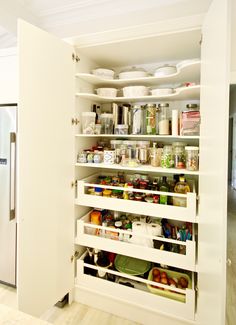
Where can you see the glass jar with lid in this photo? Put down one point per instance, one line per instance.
(150, 122)
(106, 123)
(155, 155)
(163, 119)
(192, 158)
(167, 158)
(179, 154)
(137, 119)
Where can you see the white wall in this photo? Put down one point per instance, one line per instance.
(8, 76)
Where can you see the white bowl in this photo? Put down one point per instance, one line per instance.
(132, 74)
(107, 92)
(135, 91)
(161, 91)
(104, 73)
(165, 71)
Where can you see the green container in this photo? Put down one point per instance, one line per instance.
(166, 293)
(131, 265)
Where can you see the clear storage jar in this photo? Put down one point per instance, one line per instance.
(106, 123)
(163, 119)
(179, 154)
(137, 119)
(167, 158)
(88, 122)
(192, 158)
(121, 129)
(155, 156)
(150, 119)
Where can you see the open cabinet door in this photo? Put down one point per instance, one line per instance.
(45, 202)
(212, 229)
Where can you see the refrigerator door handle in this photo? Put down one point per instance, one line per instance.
(12, 213)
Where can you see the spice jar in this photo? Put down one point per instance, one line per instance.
(106, 193)
(179, 154)
(155, 156)
(192, 158)
(167, 160)
(163, 120)
(151, 118)
(98, 191)
(137, 119)
(95, 219)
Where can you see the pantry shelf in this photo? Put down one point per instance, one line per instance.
(183, 93)
(86, 237)
(186, 73)
(140, 297)
(142, 168)
(140, 136)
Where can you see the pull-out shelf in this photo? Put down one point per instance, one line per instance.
(187, 213)
(86, 236)
(139, 296)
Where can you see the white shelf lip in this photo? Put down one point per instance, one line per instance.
(142, 168)
(85, 236)
(188, 72)
(141, 136)
(183, 93)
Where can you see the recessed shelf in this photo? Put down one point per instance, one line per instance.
(186, 73)
(183, 93)
(140, 136)
(141, 168)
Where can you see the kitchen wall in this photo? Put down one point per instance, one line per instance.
(8, 76)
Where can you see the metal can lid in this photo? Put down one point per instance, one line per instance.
(192, 106)
(163, 105)
(118, 224)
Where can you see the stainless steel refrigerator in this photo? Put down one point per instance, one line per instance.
(8, 124)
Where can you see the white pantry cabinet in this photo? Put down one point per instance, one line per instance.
(53, 90)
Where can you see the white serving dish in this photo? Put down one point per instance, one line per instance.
(133, 74)
(104, 73)
(107, 92)
(135, 91)
(165, 70)
(162, 91)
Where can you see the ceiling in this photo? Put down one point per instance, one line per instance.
(68, 18)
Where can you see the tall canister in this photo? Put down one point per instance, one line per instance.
(137, 119)
(150, 121)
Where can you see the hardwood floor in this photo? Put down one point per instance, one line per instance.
(76, 313)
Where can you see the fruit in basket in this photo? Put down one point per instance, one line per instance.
(156, 272)
(164, 280)
(163, 275)
(183, 282)
(157, 278)
(172, 282)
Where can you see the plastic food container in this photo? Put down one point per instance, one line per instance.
(88, 122)
(192, 158)
(131, 265)
(106, 123)
(104, 73)
(190, 120)
(116, 144)
(133, 73)
(107, 92)
(166, 293)
(121, 129)
(162, 91)
(165, 70)
(135, 91)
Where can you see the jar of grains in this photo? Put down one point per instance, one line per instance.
(192, 158)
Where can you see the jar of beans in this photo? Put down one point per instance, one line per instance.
(192, 158)
(179, 154)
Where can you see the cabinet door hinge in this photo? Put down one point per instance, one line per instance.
(74, 121)
(13, 137)
(75, 57)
